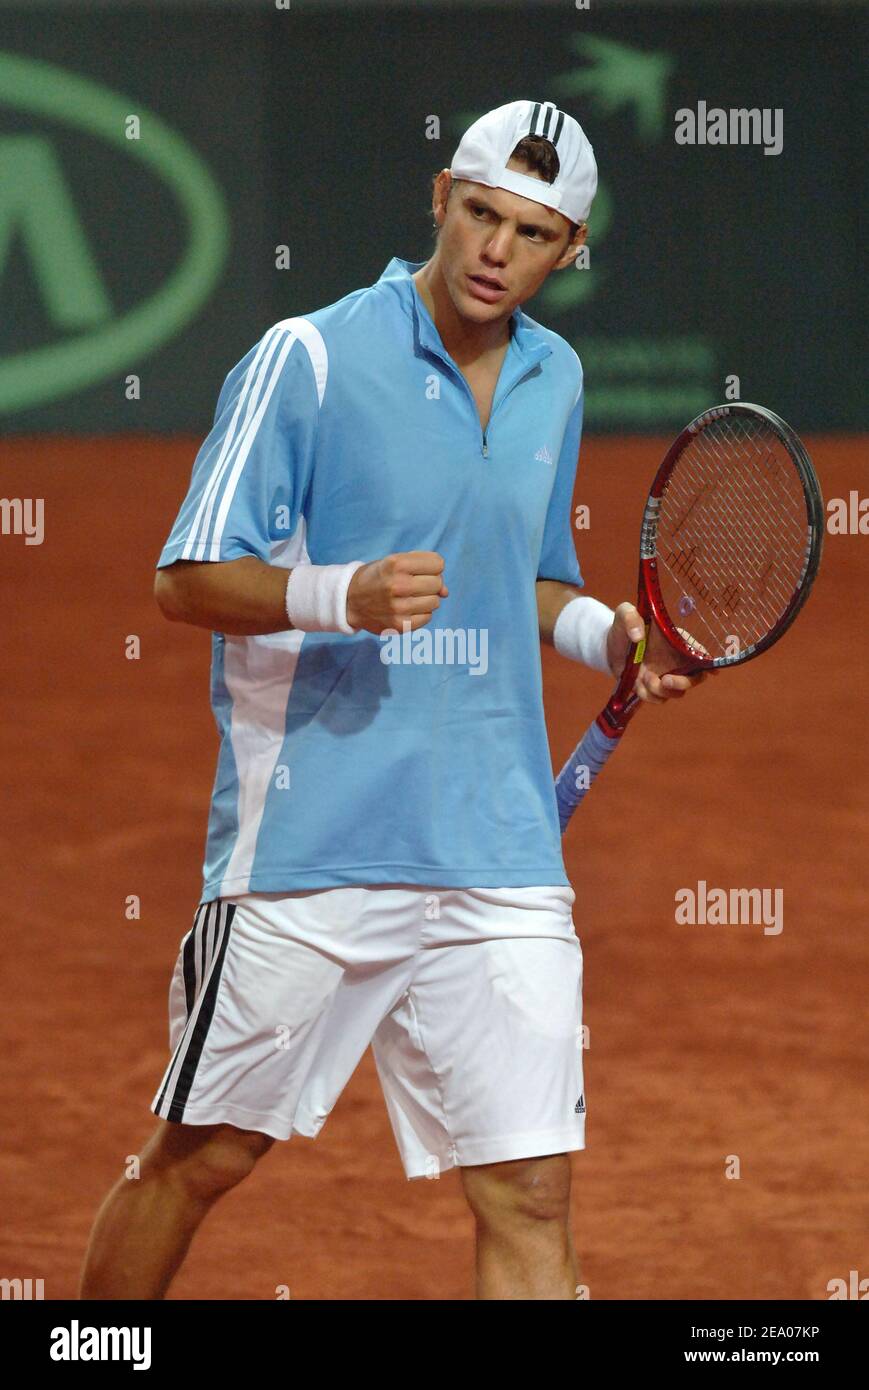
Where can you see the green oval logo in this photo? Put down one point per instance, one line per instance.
(46, 373)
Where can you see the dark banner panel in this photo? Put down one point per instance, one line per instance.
(172, 183)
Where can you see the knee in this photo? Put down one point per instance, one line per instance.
(529, 1190)
(207, 1160)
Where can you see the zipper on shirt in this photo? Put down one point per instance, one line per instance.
(484, 433)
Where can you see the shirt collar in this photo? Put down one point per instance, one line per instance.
(525, 338)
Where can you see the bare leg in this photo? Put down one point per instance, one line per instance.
(524, 1243)
(144, 1227)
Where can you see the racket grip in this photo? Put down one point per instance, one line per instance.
(580, 770)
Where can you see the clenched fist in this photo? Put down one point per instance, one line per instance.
(402, 588)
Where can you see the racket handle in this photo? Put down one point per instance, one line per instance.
(580, 770)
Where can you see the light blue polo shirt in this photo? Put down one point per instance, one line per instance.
(350, 434)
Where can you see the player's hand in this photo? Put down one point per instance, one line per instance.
(658, 678)
(402, 588)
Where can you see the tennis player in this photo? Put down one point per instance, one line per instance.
(378, 534)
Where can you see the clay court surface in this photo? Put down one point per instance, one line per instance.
(705, 1041)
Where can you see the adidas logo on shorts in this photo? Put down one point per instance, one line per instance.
(579, 1108)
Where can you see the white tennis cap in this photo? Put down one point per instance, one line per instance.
(487, 145)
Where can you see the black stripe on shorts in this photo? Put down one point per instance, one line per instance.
(189, 962)
(223, 915)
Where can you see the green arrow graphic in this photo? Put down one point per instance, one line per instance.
(620, 77)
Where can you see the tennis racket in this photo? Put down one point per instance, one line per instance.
(729, 547)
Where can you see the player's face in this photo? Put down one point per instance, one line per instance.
(496, 248)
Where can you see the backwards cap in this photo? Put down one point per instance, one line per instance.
(488, 144)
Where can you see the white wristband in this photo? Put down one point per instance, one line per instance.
(316, 597)
(581, 631)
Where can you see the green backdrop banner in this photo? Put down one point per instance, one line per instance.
(173, 183)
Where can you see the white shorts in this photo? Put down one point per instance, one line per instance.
(470, 998)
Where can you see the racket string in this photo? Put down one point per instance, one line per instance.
(709, 522)
(748, 556)
(730, 578)
(783, 493)
(732, 527)
(725, 549)
(797, 522)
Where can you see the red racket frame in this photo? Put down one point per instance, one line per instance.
(623, 703)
